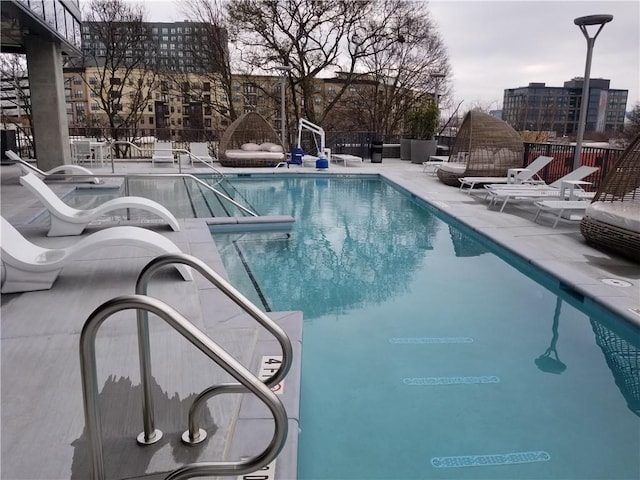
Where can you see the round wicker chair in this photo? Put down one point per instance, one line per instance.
(250, 128)
(612, 220)
(484, 147)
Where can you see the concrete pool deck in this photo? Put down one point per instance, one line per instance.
(42, 416)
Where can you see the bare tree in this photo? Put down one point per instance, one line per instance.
(15, 95)
(312, 37)
(632, 127)
(406, 61)
(387, 47)
(209, 53)
(123, 69)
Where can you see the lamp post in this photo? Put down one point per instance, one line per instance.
(583, 23)
(437, 77)
(284, 69)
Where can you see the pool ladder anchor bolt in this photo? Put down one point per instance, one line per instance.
(194, 440)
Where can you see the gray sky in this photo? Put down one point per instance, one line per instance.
(494, 45)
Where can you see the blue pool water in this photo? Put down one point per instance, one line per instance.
(425, 353)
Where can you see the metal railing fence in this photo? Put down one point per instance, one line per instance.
(353, 143)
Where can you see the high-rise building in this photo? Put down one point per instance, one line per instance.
(172, 47)
(542, 108)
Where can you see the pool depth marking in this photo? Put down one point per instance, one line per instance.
(428, 381)
(490, 460)
(429, 340)
(269, 364)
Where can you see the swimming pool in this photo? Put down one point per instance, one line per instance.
(428, 355)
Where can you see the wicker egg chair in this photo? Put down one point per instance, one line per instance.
(484, 147)
(612, 220)
(250, 129)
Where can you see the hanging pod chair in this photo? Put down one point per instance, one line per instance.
(612, 220)
(485, 146)
(250, 142)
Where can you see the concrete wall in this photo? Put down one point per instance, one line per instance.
(49, 117)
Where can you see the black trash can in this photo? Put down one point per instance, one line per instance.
(376, 151)
(7, 142)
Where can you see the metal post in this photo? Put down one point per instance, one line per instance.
(283, 112)
(437, 77)
(283, 107)
(583, 22)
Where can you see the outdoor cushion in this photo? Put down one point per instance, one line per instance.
(457, 168)
(250, 147)
(625, 215)
(242, 154)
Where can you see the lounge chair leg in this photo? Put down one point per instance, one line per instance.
(60, 228)
(558, 218)
(537, 214)
(23, 281)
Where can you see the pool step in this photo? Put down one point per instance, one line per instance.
(246, 224)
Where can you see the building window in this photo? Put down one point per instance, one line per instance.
(115, 81)
(150, 120)
(150, 108)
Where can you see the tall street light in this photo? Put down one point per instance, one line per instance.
(583, 23)
(283, 85)
(437, 77)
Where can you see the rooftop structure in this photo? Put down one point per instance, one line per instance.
(541, 107)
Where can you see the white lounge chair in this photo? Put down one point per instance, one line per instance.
(343, 157)
(28, 267)
(162, 153)
(436, 161)
(66, 220)
(26, 167)
(559, 207)
(555, 190)
(81, 152)
(521, 175)
(200, 150)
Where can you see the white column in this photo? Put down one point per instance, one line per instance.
(49, 112)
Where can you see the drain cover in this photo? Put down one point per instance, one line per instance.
(616, 282)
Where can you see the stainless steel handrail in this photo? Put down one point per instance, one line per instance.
(208, 347)
(160, 175)
(195, 434)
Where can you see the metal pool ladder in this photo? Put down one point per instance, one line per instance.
(247, 382)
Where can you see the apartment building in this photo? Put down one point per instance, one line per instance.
(539, 107)
(171, 47)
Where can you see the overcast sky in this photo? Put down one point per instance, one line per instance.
(494, 45)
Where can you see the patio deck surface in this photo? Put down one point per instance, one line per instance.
(43, 435)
